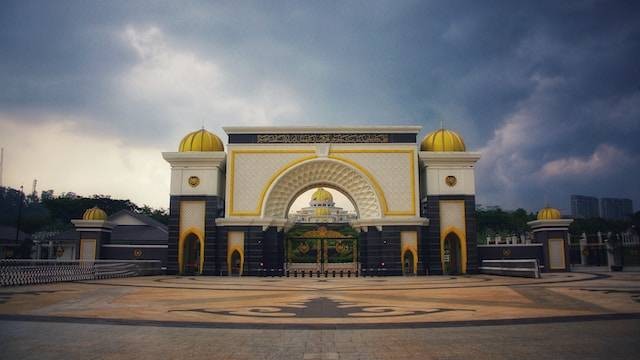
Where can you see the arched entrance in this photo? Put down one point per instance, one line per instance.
(236, 263)
(361, 189)
(452, 259)
(191, 255)
(408, 263)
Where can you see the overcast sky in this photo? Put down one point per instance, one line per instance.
(548, 91)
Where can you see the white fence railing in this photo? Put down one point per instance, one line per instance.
(27, 272)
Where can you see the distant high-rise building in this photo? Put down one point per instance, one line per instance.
(616, 209)
(584, 207)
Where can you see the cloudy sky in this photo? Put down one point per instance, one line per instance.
(548, 91)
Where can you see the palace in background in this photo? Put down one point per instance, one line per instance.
(322, 209)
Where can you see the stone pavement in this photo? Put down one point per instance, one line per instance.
(571, 315)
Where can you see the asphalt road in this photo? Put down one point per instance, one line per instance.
(608, 339)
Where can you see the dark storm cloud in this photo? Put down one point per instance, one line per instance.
(547, 90)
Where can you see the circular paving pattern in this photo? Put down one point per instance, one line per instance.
(327, 302)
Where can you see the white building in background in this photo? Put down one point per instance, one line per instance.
(322, 209)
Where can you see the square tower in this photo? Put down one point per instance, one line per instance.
(447, 194)
(196, 200)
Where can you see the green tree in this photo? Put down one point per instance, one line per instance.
(494, 222)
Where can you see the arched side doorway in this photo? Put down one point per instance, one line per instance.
(235, 253)
(191, 255)
(409, 263)
(452, 259)
(235, 264)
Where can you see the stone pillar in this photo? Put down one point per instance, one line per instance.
(93, 234)
(449, 178)
(196, 201)
(614, 252)
(583, 250)
(553, 235)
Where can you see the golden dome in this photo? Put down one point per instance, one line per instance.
(322, 211)
(322, 195)
(95, 213)
(201, 140)
(549, 213)
(443, 140)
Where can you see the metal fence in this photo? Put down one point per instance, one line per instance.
(588, 254)
(27, 272)
(616, 250)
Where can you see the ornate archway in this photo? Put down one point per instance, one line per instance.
(352, 181)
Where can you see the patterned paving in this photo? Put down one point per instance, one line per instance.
(331, 303)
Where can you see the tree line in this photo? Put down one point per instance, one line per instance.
(498, 222)
(46, 212)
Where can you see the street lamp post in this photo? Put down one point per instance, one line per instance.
(19, 215)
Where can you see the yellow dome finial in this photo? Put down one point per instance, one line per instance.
(549, 213)
(443, 140)
(201, 140)
(95, 213)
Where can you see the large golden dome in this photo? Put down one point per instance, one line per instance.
(201, 140)
(549, 213)
(95, 213)
(443, 140)
(322, 195)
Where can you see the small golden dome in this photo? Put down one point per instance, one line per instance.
(201, 140)
(549, 213)
(443, 140)
(322, 195)
(322, 211)
(95, 213)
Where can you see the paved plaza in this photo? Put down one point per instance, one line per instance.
(564, 316)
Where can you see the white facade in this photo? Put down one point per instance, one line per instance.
(196, 173)
(437, 167)
(263, 179)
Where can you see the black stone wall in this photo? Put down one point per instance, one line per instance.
(273, 252)
(379, 251)
(431, 209)
(214, 208)
(254, 239)
(510, 252)
(126, 253)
